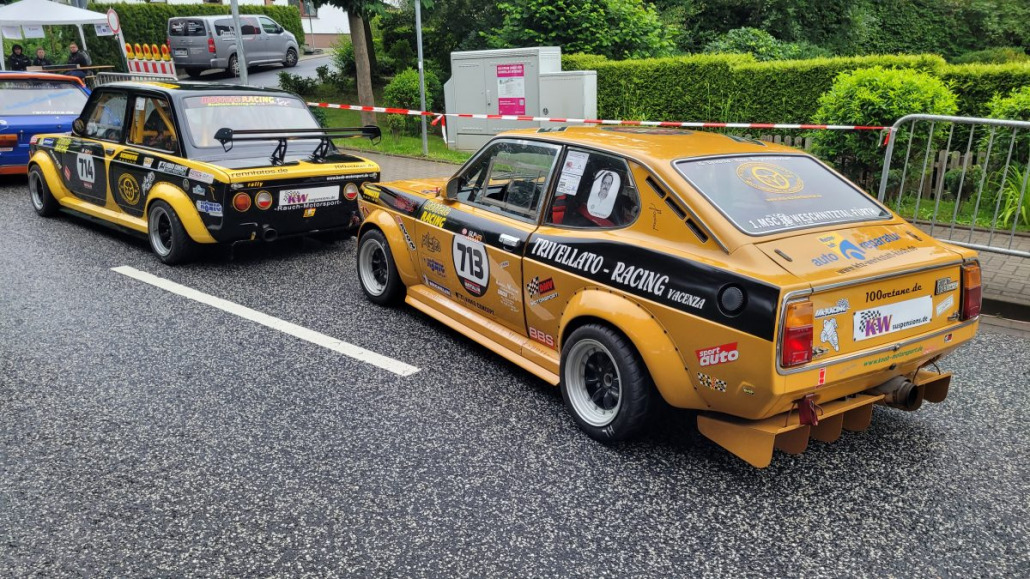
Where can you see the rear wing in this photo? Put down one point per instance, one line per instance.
(227, 137)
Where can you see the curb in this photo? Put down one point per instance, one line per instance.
(1007, 310)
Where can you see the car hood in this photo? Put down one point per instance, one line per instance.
(861, 251)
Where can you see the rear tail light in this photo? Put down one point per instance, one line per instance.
(8, 140)
(350, 191)
(796, 339)
(241, 202)
(263, 199)
(971, 290)
(210, 45)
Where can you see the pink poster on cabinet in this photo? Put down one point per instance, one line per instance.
(511, 89)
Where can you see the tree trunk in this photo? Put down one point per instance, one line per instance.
(373, 62)
(364, 72)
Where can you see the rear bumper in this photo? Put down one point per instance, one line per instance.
(13, 169)
(200, 61)
(754, 440)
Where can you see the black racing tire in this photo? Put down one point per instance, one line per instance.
(168, 237)
(43, 200)
(194, 72)
(291, 58)
(234, 66)
(376, 270)
(605, 384)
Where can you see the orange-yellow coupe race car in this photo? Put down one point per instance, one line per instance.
(742, 279)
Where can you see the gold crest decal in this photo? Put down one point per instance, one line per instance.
(770, 178)
(128, 188)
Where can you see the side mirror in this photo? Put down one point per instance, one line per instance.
(452, 188)
(79, 127)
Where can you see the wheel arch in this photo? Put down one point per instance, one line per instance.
(384, 223)
(661, 357)
(183, 206)
(50, 174)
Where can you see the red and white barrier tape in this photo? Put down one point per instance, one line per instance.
(690, 125)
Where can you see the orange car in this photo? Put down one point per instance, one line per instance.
(744, 280)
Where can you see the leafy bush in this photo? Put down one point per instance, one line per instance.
(874, 96)
(977, 84)
(614, 28)
(763, 46)
(343, 58)
(297, 84)
(998, 55)
(1014, 107)
(403, 93)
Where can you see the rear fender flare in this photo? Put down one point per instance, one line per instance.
(663, 360)
(385, 223)
(184, 208)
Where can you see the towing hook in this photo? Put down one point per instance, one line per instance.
(900, 392)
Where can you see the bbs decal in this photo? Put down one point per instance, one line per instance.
(472, 265)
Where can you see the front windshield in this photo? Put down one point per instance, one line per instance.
(24, 97)
(763, 194)
(206, 114)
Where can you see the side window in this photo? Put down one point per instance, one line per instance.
(152, 125)
(510, 178)
(224, 28)
(108, 116)
(249, 27)
(594, 190)
(269, 26)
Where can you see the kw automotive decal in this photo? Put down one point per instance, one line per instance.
(675, 282)
(890, 318)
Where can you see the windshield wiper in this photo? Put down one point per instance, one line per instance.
(227, 137)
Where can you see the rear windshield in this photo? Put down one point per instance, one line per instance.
(186, 27)
(765, 194)
(37, 97)
(206, 114)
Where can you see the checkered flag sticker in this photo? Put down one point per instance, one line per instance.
(533, 286)
(864, 317)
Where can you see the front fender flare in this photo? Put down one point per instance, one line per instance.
(184, 208)
(385, 222)
(661, 356)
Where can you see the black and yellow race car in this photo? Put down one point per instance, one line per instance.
(191, 163)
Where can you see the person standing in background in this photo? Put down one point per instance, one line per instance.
(78, 58)
(41, 59)
(17, 61)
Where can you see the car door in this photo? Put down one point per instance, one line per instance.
(255, 39)
(83, 158)
(471, 248)
(274, 38)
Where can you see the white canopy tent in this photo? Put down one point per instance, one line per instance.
(47, 13)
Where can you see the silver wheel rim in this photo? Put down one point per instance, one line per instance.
(234, 66)
(291, 57)
(373, 267)
(35, 192)
(593, 383)
(160, 226)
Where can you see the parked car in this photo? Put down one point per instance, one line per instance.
(32, 103)
(195, 163)
(200, 43)
(744, 280)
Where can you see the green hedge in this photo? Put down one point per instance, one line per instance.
(736, 88)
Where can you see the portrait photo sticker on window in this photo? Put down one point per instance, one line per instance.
(594, 190)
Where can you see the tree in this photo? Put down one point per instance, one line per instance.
(613, 28)
(358, 12)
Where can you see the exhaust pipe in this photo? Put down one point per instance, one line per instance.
(899, 392)
(269, 233)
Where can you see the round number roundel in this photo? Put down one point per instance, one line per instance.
(471, 264)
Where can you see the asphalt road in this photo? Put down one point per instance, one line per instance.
(142, 433)
(268, 75)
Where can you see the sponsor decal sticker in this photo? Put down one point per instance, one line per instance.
(891, 318)
(49, 141)
(173, 168)
(210, 207)
(148, 161)
(840, 307)
(711, 383)
(822, 377)
(317, 196)
(473, 235)
(128, 156)
(948, 338)
(431, 243)
(436, 267)
(67, 173)
(370, 195)
(718, 355)
(944, 285)
(197, 189)
(201, 176)
(829, 334)
(945, 305)
(62, 145)
(129, 189)
(404, 231)
(309, 212)
(893, 357)
(877, 295)
(434, 213)
(445, 291)
(770, 178)
(148, 182)
(537, 287)
(543, 337)
(474, 304)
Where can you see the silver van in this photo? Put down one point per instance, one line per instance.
(199, 43)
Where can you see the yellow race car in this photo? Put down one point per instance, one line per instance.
(745, 280)
(194, 163)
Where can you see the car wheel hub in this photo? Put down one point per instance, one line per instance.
(593, 383)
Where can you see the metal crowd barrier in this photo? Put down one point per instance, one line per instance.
(963, 180)
(102, 78)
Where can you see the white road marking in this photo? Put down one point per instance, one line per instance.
(329, 342)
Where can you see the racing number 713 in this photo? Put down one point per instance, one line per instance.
(471, 261)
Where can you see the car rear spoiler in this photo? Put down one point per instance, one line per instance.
(227, 137)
